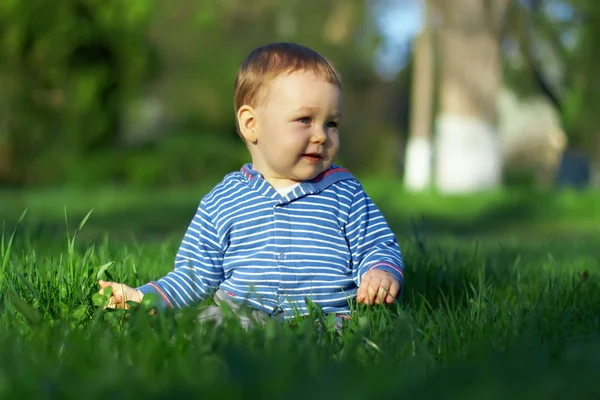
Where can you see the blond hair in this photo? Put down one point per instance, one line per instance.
(265, 63)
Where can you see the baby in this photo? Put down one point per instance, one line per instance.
(291, 224)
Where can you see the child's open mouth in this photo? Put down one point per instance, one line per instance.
(312, 157)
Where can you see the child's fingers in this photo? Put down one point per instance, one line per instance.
(381, 293)
(388, 290)
(111, 302)
(393, 292)
(116, 301)
(384, 290)
(361, 294)
(395, 288)
(116, 297)
(377, 288)
(104, 284)
(372, 290)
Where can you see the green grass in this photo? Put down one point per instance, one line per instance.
(502, 299)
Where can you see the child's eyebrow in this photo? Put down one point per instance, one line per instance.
(336, 114)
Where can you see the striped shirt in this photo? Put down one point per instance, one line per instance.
(273, 251)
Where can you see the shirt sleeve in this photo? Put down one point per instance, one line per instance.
(198, 267)
(372, 242)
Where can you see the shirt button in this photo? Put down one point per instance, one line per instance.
(282, 299)
(281, 256)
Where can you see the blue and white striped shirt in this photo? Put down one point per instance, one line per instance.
(272, 251)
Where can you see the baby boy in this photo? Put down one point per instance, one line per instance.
(291, 224)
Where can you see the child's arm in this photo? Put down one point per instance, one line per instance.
(198, 266)
(374, 248)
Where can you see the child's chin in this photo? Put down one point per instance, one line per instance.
(313, 174)
(306, 174)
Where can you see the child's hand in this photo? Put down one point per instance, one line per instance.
(377, 285)
(120, 294)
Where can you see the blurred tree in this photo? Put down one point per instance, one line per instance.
(548, 48)
(566, 73)
(418, 164)
(468, 150)
(67, 69)
(202, 55)
(141, 91)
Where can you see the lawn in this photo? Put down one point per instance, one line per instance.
(502, 299)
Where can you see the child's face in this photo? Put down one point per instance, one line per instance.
(296, 128)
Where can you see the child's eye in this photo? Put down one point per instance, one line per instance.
(304, 120)
(332, 124)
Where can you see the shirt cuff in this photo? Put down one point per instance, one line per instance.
(162, 302)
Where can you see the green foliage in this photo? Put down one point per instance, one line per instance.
(68, 68)
(490, 312)
(77, 75)
(572, 43)
(179, 159)
(523, 322)
(582, 99)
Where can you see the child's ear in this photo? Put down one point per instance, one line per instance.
(246, 116)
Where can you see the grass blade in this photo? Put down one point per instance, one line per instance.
(103, 269)
(6, 251)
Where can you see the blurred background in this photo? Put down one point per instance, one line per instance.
(140, 92)
(458, 96)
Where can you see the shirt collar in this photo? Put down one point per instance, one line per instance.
(327, 178)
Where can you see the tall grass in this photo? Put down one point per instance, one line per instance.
(477, 319)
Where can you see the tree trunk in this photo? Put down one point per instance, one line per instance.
(418, 161)
(468, 147)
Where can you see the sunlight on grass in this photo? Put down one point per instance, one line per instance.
(476, 313)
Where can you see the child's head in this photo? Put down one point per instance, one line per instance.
(287, 100)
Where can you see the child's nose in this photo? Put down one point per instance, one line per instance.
(319, 135)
